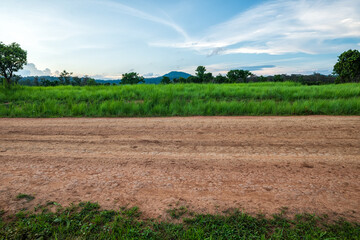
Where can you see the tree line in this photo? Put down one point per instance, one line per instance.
(64, 78)
(245, 76)
(13, 58)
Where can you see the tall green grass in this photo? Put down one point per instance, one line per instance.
(269, 98)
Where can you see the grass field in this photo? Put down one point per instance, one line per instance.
(86, 221)
(256, 99)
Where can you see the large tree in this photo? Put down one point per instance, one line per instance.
(200, 72)
(238, 75)
(132, 78)
(65, 77)
(348, 66)
(12, 59)
(203, 77)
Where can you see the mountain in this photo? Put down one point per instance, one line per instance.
(172, 75)
(117, 81)
(175, 74)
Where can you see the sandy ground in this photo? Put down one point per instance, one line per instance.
(210, 164)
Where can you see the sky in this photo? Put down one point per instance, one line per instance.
(107, 38)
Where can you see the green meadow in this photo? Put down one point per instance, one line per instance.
(255, 99)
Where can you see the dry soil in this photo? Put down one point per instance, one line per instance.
(209, 164)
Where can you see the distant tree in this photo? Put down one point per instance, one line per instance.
(15, 78)
(192, 79)
(132, 78)
(208, 78)
(182, 80)
(348, 67)
(91, 82)
(84, 80)
(12, 59)
(262, 79)
(44, 82)
(200, 74)
(55, 83)
(26, 82)
(65, 77)
(220, 79)
(36, 81)
(238, 75)
(165, 80)
(232, 76)
(278, 78)
(76, 81)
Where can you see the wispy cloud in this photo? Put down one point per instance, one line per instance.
(280, 27)
(115, 6)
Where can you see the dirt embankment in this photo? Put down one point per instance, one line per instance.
(257, 164)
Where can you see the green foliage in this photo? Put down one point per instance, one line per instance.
(165, 80)
(87, 81)
(12, 59)
(132, 78)
(25, 196)
(177, 212)
(208, 78)
(76, 81)
(192, 79)
(262, 79)
(220, 79)
(201, 76)
(91, 82)
(200, 72)
(266, 98)
(46, 83)
(278, 78)
(348, 67)
(87, 221)
(65, 77)
(182, 80)
(235, 76)
(36, 81)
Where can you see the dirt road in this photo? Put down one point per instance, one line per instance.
(210, 164)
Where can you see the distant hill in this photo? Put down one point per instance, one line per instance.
(175, 74)
(172, 75)
(117, 81)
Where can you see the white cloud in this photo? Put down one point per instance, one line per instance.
(151, 75)
(279, 27)
(31, 70)
(265, 68)
(106, 76)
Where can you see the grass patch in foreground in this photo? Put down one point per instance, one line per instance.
(254, 99)
(87, 221)
(25, 196)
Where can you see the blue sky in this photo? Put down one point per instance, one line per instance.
(106, 38)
